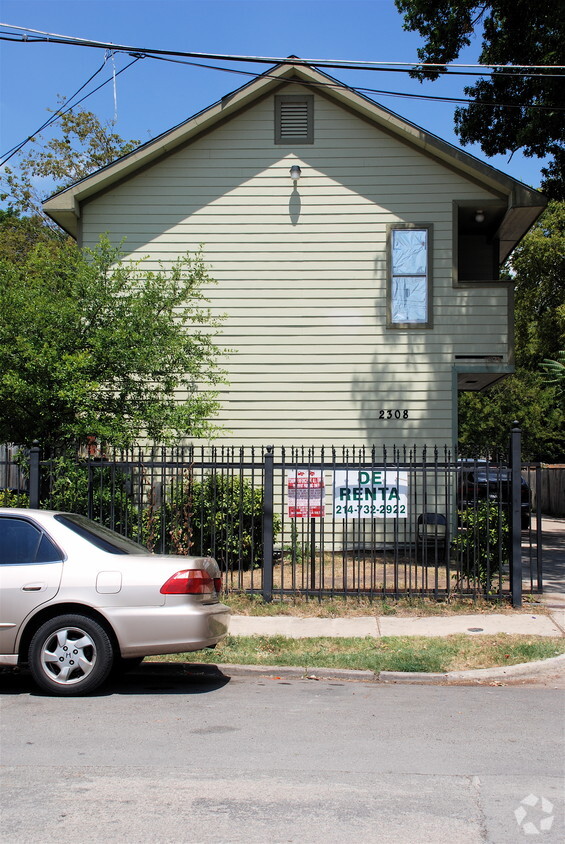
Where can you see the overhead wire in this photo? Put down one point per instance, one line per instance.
(342, 85)
(51, 37)
(50, 119)
(68, 107)
(168, 56)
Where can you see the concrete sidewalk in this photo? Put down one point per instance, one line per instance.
(527, 623)
(376, 627)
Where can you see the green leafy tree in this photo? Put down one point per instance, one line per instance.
(92, 346)
(515, 32)
(19, 235)
(555, 374)
(538, 268)
(82, 145)
(485, 418)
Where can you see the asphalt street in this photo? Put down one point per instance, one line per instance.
(166, 757)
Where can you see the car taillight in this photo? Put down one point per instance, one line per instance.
(190, 582)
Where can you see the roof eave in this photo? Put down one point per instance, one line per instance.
(525, 204)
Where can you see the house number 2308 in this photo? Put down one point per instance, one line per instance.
(393, 414)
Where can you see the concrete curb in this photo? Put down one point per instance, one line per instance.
(295, 672)
(523, 670)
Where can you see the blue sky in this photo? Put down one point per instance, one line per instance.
(153, 96)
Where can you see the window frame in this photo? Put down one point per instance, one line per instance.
(294, 139)
(391, 228)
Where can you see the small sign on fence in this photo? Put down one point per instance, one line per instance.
(306, 494)
(370, 494)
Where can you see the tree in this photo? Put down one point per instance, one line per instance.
(83, 146)
(92, 346)
(485, 419)
(19, 235)
(516, 32)
(537, 267)
(555, 374)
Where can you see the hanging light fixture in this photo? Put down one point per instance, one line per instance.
(295, 172)
(479, 216)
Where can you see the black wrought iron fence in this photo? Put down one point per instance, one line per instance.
(319, 522)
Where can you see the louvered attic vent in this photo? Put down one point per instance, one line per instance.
(294, 119)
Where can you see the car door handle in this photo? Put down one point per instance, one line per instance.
(34, 587)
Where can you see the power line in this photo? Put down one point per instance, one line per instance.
(167, 55)
(348, 64)
(61, 112)
(307, 83)
(343, 86)
(50, 120)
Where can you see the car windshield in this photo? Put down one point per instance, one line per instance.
(100, 536)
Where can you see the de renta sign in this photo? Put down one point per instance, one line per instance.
(370, 494)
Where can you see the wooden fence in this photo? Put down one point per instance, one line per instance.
(551, 483)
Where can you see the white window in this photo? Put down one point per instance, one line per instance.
(409, 282)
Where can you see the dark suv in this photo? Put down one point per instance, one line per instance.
(478, 482)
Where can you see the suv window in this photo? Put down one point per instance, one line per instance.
(22, 543)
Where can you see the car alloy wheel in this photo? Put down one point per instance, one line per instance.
(70, 655)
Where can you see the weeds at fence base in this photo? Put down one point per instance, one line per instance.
(242, 603)
(368, 576)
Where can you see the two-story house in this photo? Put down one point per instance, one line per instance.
(356, 256)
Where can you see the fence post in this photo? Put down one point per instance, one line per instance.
(539, 540)
(268, 537)
(34, 475)
(516, 517)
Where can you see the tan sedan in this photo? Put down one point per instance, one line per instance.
(78, 600)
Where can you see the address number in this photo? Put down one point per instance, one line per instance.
(393, 414)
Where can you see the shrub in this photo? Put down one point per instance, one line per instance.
(9, 498)
(220, 515)
(98, 491)
(482, 543)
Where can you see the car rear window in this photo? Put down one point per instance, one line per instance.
(99, 536)
(22, 543)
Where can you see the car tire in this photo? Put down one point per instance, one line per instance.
(70, 655)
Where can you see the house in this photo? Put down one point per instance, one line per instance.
(356, 255)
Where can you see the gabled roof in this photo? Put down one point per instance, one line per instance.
(524, 203)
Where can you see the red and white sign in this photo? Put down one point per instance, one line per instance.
(306, 494)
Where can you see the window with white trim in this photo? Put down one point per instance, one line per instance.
(409, 298)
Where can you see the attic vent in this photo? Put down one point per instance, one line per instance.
(294, 119)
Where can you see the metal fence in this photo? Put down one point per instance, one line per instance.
(318, 522)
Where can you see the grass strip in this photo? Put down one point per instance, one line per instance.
(458, 652)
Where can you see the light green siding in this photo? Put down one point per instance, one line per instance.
(301, 274)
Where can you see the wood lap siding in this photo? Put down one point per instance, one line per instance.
(302, 274)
